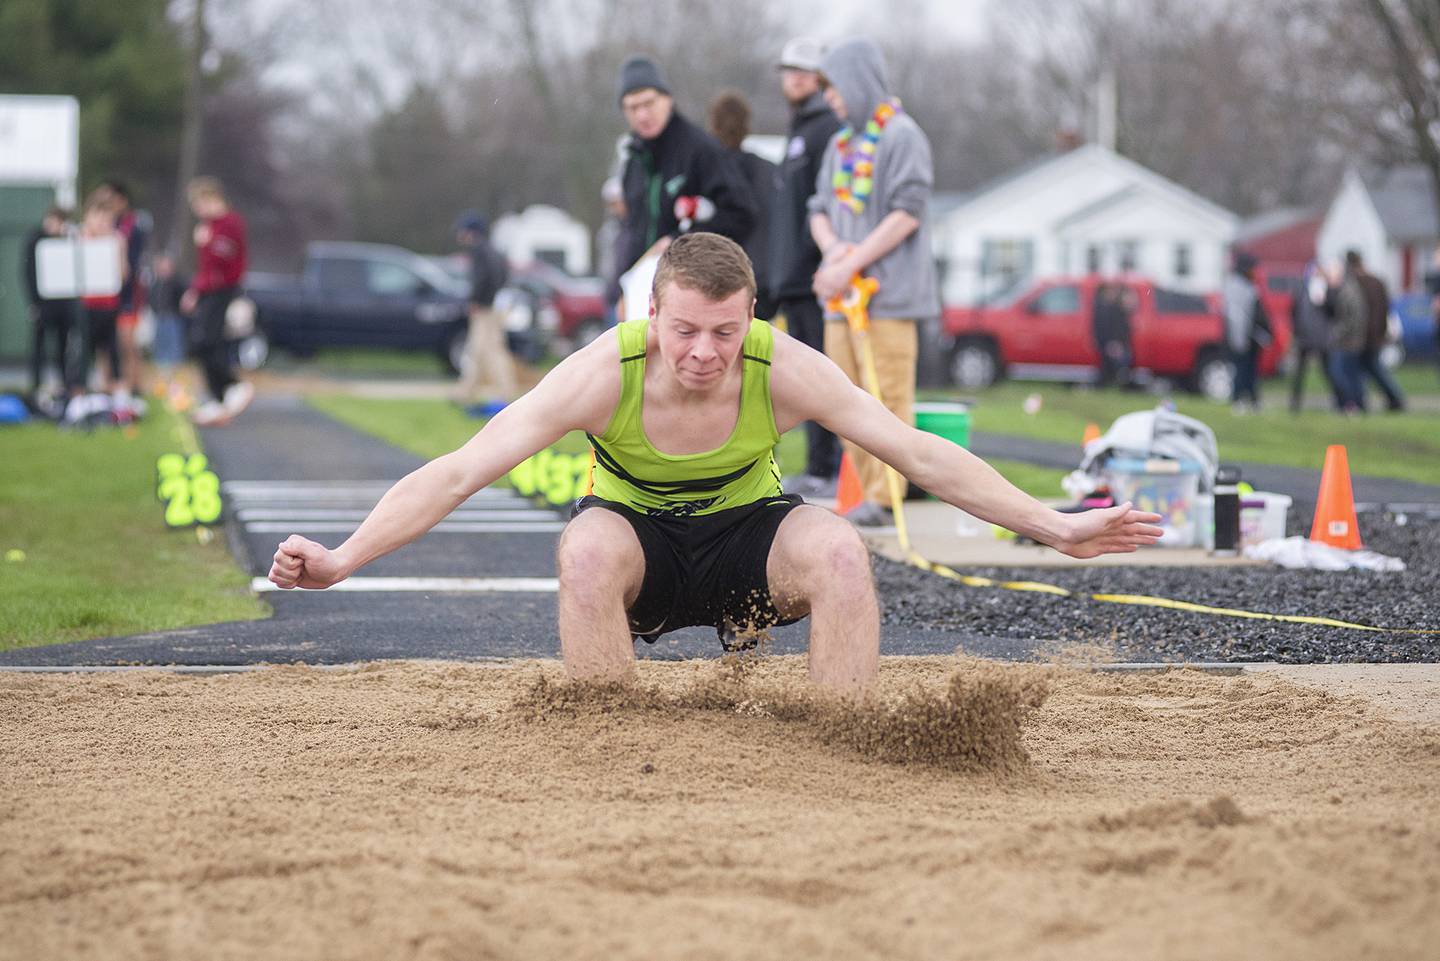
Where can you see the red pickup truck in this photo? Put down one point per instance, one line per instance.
(1045, 333)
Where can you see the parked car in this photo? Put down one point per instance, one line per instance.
(1416, 335)
(358, 295)
(1044, 332)
(579, 301)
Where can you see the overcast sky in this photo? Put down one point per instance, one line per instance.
(832, 20)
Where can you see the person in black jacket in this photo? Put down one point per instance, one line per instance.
(51, 319)
(794, 258)
(729, 122)
(677, 178)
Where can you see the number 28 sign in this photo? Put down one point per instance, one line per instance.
(188, 488)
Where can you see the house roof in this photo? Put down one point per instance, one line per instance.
(1091, 152)
(1404, 197)
(1275, 221)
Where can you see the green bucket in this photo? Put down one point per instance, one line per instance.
(948, 420)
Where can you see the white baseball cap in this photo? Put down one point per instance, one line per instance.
(802, 53)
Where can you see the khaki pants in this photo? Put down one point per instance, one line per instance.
(894, 344)
(489, 371)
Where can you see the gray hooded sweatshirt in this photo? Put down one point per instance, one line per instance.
(904, 174)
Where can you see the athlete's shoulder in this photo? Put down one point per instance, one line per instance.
(586, 383)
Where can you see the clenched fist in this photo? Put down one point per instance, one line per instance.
(300, 562)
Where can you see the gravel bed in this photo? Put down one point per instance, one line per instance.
(1410, 599)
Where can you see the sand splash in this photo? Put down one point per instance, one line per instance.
(973, 721)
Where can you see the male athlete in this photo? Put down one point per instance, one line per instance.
(687, 524)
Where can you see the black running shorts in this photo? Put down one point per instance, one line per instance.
(706, 569)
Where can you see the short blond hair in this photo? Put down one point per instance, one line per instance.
(708, 264)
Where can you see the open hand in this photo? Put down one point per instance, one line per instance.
(1112, 530)
(300, 562)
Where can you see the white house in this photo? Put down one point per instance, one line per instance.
(1089, 210)
(1390, 219)
(542, 232)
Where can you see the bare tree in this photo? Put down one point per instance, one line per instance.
(1412, 34)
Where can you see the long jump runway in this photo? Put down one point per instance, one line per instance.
(480, 586)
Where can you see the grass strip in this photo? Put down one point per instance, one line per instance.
(98, 560)
(1401, 446)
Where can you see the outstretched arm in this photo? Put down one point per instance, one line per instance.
(579, 394)
(806, 385)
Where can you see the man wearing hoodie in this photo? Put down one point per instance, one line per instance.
(868, 217)
(794, 258)
(677, 178)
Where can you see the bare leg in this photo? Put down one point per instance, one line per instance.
(129, 359)
(819, 565)
(601, 568)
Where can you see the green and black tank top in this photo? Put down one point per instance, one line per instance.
(630, 471)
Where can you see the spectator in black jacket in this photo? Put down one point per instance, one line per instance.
(729, 122)
(677, 178)
(50, 319)
(794, 258)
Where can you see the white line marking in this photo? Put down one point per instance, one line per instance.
(457, 585)
(300, 515)
(444, 527)
(326, 489)
(363, 503)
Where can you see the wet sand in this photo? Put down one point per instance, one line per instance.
(974, 811)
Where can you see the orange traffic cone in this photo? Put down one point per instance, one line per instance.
(1092, 432)
(849, 492)
(1335, 513)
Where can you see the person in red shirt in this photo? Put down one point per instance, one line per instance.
(221, 260)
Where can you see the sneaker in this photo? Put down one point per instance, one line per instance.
(810, 485)
(867, 514)
(238, 397)
(209, 414)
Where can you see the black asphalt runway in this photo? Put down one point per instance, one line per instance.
(287, 468)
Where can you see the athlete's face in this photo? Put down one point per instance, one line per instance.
(700, 339)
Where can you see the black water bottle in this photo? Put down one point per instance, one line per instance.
(1227, 512)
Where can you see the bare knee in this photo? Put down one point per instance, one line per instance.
(599, 551)
(818, 556)
(841, 559)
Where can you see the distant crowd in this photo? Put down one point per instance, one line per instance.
(85, 361)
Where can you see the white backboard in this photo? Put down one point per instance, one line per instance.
(76, 267)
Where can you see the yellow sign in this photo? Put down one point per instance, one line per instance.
(559, 478)
(189, 490)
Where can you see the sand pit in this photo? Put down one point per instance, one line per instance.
(443, 811)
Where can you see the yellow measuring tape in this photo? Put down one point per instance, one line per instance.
(855, 306)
